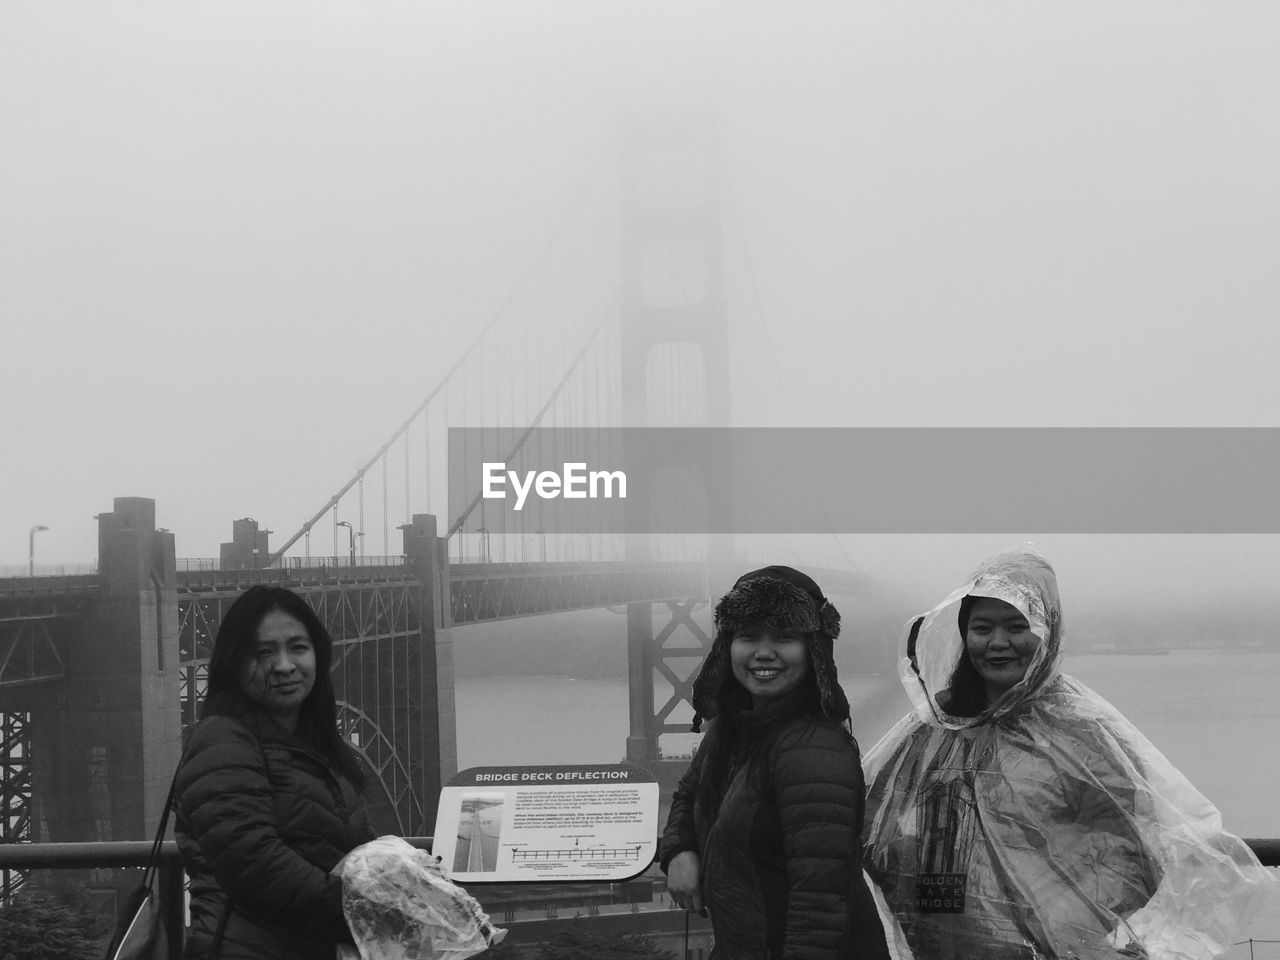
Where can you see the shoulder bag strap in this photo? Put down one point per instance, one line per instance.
(153, 862)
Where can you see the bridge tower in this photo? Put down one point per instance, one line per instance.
(674, 346)
(96, 692)
(120, 712)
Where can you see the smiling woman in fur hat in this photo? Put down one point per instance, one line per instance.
(765, 827)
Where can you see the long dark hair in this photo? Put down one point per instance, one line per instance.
(966, 693)
(235, 646)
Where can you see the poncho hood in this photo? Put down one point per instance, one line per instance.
(932, 653)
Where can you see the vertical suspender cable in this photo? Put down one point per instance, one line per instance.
(426, 458)
(448, 377)
(446, 491)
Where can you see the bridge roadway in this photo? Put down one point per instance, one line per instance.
(481, 592)
(30, 647)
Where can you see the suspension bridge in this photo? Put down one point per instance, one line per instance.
(621, 320)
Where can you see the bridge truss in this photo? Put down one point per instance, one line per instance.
(36, 616)
(15, 768)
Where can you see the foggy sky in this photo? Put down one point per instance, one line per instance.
(239, 243)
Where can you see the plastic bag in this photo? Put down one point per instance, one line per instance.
(401, 905)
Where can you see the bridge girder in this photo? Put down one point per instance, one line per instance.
(28, 652)
(495, 591)
(15, 792)
(35, 622)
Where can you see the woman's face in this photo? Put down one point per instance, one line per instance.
(282, 670)
(999, 643)
(768, 663)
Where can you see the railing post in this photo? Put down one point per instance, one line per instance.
(172, 904)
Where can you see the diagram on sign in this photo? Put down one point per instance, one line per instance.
(479, 828)
(498, 824)
(576, 852)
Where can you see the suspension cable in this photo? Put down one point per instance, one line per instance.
(537, 420)
(502, 309)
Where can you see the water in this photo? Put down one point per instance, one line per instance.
(1214, 714)
(505, 721)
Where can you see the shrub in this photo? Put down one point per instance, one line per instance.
(35, 927)
(580, 945)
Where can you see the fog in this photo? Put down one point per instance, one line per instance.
(240, 243)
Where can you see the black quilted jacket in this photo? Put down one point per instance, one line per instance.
(264, 818)
(781, 859)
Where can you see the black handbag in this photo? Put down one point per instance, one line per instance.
(140, 932)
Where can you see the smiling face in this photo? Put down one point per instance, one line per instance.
(768, 663)
(283, 669)
(1000, 644)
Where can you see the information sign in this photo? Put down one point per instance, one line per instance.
(579, 822)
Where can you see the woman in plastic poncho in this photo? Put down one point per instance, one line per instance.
(1016, 814)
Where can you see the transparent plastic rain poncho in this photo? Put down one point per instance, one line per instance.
(401, 905)
(1046, 825)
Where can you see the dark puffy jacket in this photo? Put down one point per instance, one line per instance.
(781, 859)
(263, 818)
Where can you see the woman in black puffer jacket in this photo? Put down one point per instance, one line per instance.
(765, 830)
(268, 794)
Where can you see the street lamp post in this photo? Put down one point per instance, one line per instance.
(351, 538)
(31, 548)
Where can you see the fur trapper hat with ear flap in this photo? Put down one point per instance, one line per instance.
(781, 598)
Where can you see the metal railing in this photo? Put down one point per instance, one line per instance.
(170, 882)
(211, 564)
(317, 571)
(49, 570)
(50, 585)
